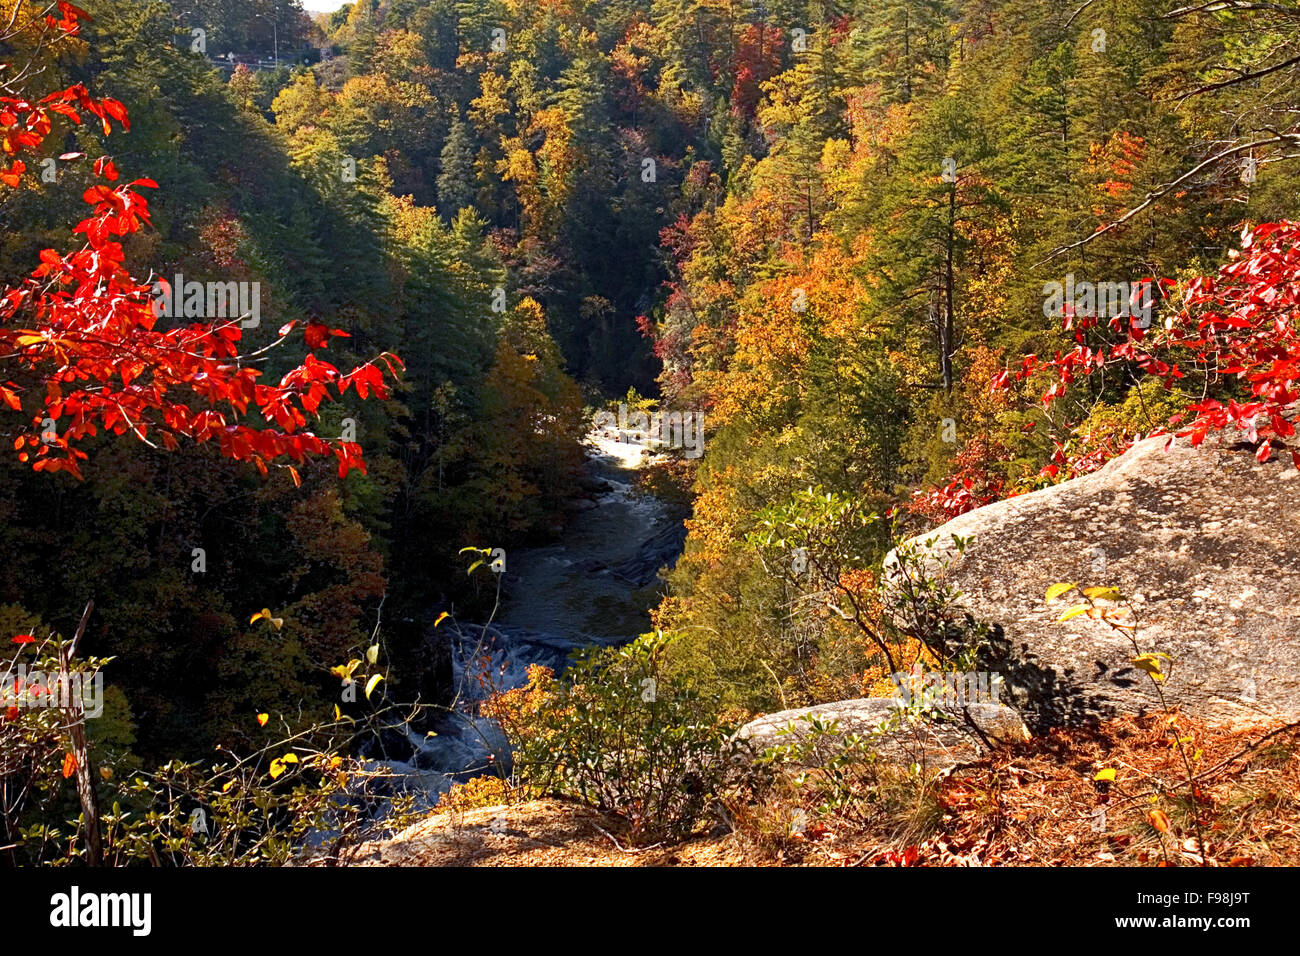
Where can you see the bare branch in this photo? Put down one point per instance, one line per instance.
(1162, 191)
(1219, 6)
(1243, 78)
(1076, 13)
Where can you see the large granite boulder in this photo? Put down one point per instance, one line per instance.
(959, 733)
(1206, 543)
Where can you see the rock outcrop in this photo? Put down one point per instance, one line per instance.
(1204, 541)
(936, 745)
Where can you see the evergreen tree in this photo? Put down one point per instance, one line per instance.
(456, 181)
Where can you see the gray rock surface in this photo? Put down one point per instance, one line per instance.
(935, 745)
(1206, 543)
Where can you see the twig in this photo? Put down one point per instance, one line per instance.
(1220, 765)
(76, 717)
(620, 847)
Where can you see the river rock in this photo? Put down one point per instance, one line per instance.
(594, 485)
(431, 659)
(1204, 541)
(934, 744)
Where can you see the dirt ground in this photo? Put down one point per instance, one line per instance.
(1035, 804)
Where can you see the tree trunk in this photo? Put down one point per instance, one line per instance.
(949, 322)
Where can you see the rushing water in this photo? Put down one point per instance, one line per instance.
(580, 591)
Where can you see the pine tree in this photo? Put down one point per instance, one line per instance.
(903, 45)
(456, 181)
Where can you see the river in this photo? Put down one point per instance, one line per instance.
(591, 587)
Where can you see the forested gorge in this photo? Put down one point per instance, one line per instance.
(830, 227)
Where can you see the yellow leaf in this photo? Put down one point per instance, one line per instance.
(344, 671)
(371, 684)
(1107, 774)
(1102, 594)
(106, 773)
(266, 613)
(372, 653)
(280, 764)
(1151, 664)
(262, 719)
(441, 617)
(1074, 612)
(1056, 590)
(225, 787)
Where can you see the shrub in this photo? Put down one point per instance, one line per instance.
(477, 792)
(619, 734)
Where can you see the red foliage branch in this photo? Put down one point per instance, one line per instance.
(1239, 323)
(82, 333)
(973, 482)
